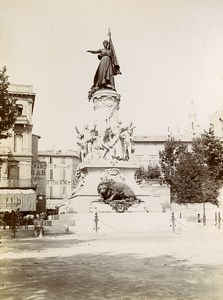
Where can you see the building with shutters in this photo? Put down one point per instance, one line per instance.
(60, 175)
(16, 187)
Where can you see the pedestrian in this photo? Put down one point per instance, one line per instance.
(18, 217)
(6, 219)
(13, 221)
(38, 226)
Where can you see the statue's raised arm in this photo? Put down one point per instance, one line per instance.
(94, 51)
(108, 67)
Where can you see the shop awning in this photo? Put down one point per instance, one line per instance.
(12, 199)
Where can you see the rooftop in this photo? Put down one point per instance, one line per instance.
(163, 138)
(58, 153)
(20, 88)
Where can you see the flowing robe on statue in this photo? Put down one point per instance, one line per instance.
(104, 76)
(107, 69)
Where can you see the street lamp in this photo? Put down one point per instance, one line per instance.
(204, 215)
(204, 211)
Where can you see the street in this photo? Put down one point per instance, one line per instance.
(112, 266)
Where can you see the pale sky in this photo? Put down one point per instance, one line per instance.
(170, 52)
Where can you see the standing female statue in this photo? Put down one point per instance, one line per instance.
(108, 67)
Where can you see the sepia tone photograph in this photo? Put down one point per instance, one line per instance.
(111, 149)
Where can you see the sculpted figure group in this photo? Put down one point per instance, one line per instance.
(114, 144)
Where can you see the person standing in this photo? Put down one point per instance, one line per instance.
(6, 219)
(13, 222)
(38, 226)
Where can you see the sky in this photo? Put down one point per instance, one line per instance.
(170, 53)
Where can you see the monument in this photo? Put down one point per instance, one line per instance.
(107, 146)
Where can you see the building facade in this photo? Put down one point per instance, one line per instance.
(16, 188)
(147, 148)
(60, 175)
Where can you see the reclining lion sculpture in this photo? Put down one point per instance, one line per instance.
(110, 190)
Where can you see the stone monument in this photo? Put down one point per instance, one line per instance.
(107, 147)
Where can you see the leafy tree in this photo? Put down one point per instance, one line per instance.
(193, 183)
(208, 150)
(187, 184)
(152, 172)
(194, 176)
(8, 107)
(169, 158)
(140, 174)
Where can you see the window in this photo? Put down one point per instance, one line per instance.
(20, 108)
(51, 174)
(13, 171)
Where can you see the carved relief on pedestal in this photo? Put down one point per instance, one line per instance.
(112, 173)
(106, 107)
(102, 101)
(81, 175)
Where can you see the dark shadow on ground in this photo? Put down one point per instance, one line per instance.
(114, 277)
(39, 244)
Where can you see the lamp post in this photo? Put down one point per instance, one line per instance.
(204, 215)
(204, 211)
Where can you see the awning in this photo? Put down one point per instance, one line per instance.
(12, 199)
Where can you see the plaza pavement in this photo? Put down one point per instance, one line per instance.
(153, 265)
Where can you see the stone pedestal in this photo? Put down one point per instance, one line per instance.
(109, 155)
(86, 198)
(106, 107)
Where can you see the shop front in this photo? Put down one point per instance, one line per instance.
(13, 199)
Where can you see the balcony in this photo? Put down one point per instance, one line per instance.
(18, 183)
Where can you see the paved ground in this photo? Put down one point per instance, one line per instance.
(113, 266)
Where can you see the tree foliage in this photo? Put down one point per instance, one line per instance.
(8, 107)
(169, 158)
(187, 180)
(208, 150)
(194, 176)
(152, 172)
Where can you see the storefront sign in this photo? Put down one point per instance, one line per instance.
(25, 200)
(58, 182)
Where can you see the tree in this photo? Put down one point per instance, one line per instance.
(173, 151)
(152, 172)
(194, 176)
(187, 183)
(8, 107)
(208, 151)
